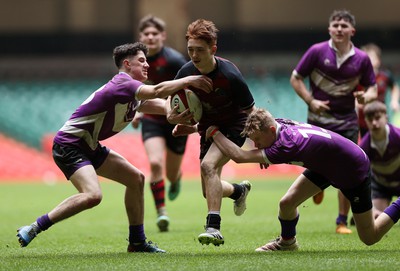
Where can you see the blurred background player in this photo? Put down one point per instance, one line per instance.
(164, 151)
(80, 156)
(226, 106)
(382, 145)
(329, 159)
(335, 68)
(384, 81)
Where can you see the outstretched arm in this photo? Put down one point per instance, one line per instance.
(166, 88)
(231, 150)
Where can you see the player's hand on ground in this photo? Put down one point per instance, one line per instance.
(264, 165)
(318, 106)
(174, 117)
(201, 82)
(183, 130)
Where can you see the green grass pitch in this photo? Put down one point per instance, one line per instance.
(96, 238)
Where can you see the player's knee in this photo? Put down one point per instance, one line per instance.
(285, 203)
(139, 179)
(368, 240)
(93, 199)
(207, 169)
(156, 165)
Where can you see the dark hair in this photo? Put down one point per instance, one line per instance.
(150, 20)
(203, 30)
(374, 107)
(338, 15)
(130, 49)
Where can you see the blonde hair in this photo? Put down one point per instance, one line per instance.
(258, 120)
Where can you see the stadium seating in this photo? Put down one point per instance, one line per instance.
(32, 111)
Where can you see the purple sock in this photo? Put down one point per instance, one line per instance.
(341, 219)
(394, 211)
(288, 228)
(44, 222)
(136, 234)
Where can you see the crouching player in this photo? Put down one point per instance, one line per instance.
(382, 145)
(329, 159)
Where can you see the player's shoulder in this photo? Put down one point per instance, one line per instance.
(227, 67)
(323, 45)
(394, 130)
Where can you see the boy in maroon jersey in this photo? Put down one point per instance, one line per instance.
(164, 151)
(227, 106)
(384, 81)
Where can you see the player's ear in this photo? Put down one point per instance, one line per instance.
(273, 129)
(126, 63)
(213, 49)
(164, 35)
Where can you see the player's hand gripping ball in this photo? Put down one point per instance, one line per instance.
(186, 98)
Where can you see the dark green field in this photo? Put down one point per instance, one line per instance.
(96, 239)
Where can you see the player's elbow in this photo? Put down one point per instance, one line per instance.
(238, 159)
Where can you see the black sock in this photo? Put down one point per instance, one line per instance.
(237, 191)
(213, 221)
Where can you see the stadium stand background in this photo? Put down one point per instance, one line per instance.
(54, 53)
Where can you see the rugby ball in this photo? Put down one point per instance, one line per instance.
(185, 98)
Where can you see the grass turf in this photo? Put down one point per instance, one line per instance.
(96, 238)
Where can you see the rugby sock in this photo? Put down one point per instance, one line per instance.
(341, 219)
(288, 228)
(136, 234)
(237, 191)
(213, 220)
(158, 190)
(393, 211)
(44, 222)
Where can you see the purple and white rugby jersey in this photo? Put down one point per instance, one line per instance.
(335, 79)
(336, 158)
(385, 157)
(103, 114)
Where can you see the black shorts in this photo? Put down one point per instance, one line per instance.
(380, 191)
(232, 134)
(359, 196)
(69, 158)
(152, 128)
(350, 134)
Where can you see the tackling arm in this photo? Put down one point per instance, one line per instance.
(167, 88)
(234, 152)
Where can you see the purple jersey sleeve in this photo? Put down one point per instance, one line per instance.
(336, 158)
(104, 113)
